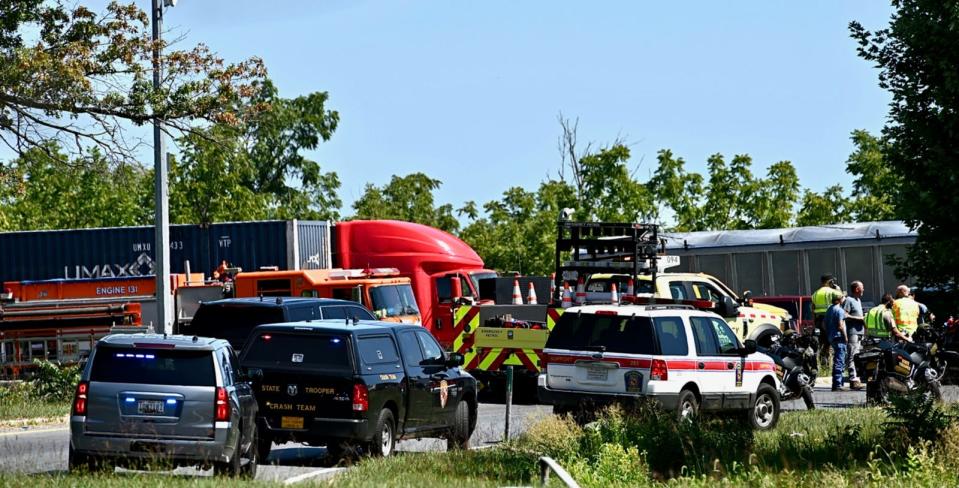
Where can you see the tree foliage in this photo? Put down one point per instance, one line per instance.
(53, 193)
(256, 169)
(80, 78)
(408, 198)
(918, 61)
(875, 181)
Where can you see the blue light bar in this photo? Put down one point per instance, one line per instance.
(130, 399)
(171, 401)
(150, 356)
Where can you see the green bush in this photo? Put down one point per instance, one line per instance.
(53, 383)
(918, 415)
(556, 437)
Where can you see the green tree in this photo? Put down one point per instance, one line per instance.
(408, 198)
(256, 169)
(50, 193)
(681, 192)
(918, 61)
(875, 182)
(71, 75)
(774, 204)
(828, 207)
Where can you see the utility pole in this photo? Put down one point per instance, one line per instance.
(161, 217)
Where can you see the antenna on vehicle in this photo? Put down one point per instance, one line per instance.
(356, 320)
(279, 300)
(195, 338)
(347, 320)
(261, 296)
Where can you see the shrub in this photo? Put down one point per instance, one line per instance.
(53, 383)
(918, 415)
(614, 465)
(556, 437)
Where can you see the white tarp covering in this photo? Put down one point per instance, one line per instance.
(823, 233)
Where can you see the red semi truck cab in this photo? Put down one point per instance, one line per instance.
(441, 267)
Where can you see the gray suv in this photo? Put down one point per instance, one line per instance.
(151, 397)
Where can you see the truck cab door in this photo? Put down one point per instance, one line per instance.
(440, 380)
(443, 295)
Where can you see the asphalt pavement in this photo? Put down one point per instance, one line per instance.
(44, 449)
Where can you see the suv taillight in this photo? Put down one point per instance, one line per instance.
(222, 405)
(658, 371)
(361, 398)
(80, 398)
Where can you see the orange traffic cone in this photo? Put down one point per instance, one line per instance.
(580, 292)
(613, 296)
(567, 297)
(531, 296)
(517, 298)
(629, 287)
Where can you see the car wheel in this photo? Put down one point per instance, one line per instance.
(264, 444)
(807, 398)
(459, 435)
(384, 437)
(229, 468)
(687, 408)
(765, 409)
(252, 456)
(79, 463)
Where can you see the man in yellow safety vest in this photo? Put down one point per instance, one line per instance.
(880, 322)
(905, 311)
(821, 301)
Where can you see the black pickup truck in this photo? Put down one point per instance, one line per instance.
(357, 384)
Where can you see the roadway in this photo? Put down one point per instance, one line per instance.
(44, 449)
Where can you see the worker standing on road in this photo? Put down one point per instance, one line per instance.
(855, 328)
(836, 334)
(906, 311)
(821, 300)
(880, 322)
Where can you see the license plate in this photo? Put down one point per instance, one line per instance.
(150, 407)
(291, 422)
(597, 374)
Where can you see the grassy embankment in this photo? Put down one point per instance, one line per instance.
(18, 401)
(857, 447)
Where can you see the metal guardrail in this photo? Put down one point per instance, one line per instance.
(547, 464)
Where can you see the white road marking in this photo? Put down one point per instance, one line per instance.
(312, 474)
(35, 431)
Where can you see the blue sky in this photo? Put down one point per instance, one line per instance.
(469, 92)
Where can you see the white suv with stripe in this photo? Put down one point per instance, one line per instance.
(687, 360)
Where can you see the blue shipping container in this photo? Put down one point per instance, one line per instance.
(128, 251)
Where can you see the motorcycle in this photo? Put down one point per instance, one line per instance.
(893, 367)
(796, 364)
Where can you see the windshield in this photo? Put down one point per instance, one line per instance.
(153, 366)
(279, 349)
(476, 277)
(393, 301)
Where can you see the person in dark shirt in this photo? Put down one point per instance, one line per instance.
(835, 322)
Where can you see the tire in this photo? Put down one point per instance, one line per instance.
(231, 468)
(934, 389)
(459, 435)
(807, 398)
(764, 414)
(82, 463)
(252, 456)
(687, 406)
(384, 437)
(264, 444)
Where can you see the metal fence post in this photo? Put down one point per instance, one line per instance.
(509, 400)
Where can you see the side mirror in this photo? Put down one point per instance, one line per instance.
(728, 307)
(749, 347)
(455, 359)
(254, 375)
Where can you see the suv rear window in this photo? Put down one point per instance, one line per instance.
(279, 349)
(378, 350)
(232, 322)
(611, 333)
(153, 366)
